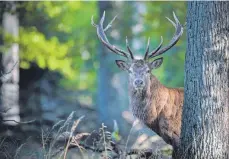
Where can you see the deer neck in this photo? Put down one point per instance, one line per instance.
(141, 101)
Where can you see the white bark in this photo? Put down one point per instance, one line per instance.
(10, 62)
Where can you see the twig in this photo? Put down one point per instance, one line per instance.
(104, 138)
(72, 130)
(10, 69)
(74, 146)
(133, 125)
(146, 152)
(116, 148)
(18, 122)
(5, 111)
(43, 142)
(137, 151)
(8, 72)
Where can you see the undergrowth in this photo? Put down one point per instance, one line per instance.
(63, 141)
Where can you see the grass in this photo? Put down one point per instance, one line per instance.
(71, 137)
(63, 141)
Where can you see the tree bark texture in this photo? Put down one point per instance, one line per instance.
(205, 123)
(10, 74)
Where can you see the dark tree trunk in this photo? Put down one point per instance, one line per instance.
(10, 63)
(205, 125)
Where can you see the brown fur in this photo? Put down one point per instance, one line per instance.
(160, 108)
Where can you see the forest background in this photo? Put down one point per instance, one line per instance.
(63, 67)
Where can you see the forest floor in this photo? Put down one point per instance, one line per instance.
(66, 139)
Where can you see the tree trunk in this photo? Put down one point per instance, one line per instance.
(205, 123)
(103, 74)
(10, 77)
(112, 82)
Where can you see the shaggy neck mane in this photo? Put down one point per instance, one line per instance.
(140, 101)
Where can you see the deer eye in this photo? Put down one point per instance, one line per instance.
(148, 71)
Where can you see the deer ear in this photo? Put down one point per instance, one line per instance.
(156, 63)
(122, 64)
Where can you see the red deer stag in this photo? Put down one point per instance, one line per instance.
(157, 106)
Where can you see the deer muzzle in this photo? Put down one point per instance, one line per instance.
(139, 84)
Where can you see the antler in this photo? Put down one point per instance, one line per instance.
(102, 36)
(158, 51)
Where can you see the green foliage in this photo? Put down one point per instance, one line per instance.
(71, 21)
(62, 43)
(47, 53)
(171, 72)
(58, 36)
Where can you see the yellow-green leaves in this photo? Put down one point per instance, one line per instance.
(46, 53)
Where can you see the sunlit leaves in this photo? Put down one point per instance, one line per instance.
(47, 53)
(57, 37)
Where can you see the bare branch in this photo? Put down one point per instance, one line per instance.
(18, 122)
(5, 111)
(3, 74)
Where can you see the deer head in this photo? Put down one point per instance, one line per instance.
(139, 69)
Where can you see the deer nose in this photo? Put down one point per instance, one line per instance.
(138, 82)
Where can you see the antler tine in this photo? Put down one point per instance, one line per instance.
(110, 24)
(103, 38)
(155, 50)
(128, 47)
(147, 49)
(179, 31)
(92, 21)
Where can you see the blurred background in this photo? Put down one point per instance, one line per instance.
(53, 65)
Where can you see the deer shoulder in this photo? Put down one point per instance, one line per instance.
(167, 113)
